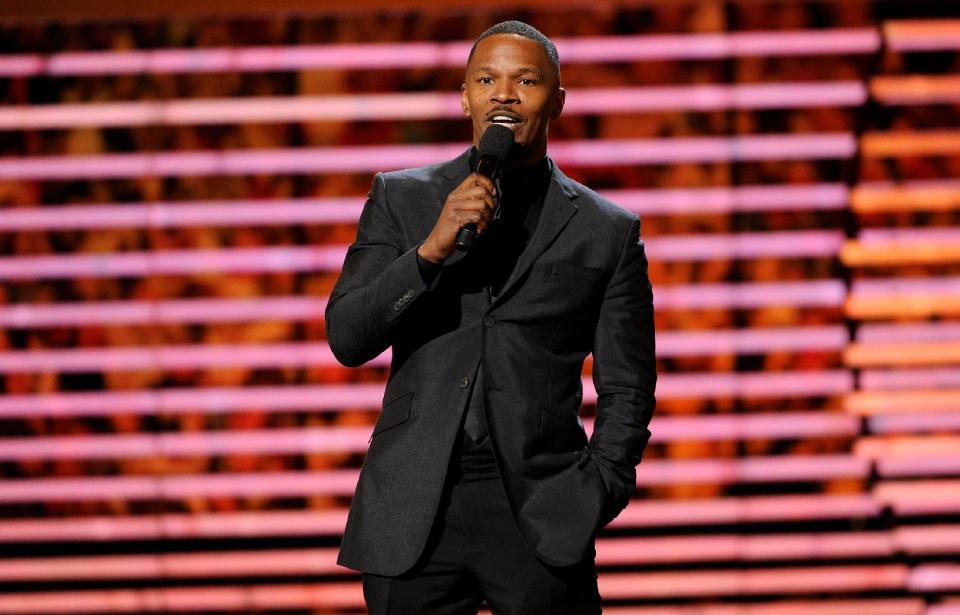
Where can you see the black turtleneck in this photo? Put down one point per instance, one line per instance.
(521, 197)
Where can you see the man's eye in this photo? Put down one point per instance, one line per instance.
(528, 82)
(486, 80)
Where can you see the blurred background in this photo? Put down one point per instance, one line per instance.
(178, 184)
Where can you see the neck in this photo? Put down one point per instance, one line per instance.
(526, 158)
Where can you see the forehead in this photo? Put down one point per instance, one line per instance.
(509, 50)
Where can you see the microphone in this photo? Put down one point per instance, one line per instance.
(494, 147)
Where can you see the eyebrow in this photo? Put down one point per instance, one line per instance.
(519, 71)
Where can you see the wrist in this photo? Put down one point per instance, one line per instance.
(428, 254)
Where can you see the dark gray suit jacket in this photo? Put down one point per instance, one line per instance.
(580, 286)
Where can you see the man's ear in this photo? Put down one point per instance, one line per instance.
(464, 103)
(560, 97)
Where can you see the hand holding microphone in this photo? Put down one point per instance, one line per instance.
(469, 207)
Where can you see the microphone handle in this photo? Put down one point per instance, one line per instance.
(468, 232)
(465, 237)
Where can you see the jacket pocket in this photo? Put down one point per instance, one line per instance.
(395, 412)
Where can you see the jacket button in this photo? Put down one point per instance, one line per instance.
(489, 321)
(463, 382)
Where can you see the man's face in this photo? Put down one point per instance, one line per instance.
(510, 81)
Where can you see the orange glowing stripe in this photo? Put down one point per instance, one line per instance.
(877, 199)
(914, 252)
(915, 88)
(882, 402)
(921, 27)
(902, 353)
(875, 447)
(919, 305)
(896, 144)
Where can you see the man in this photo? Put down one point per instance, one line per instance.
(480, 482)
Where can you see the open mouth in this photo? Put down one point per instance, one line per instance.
(510, 120)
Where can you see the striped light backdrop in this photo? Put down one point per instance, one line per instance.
(175, 435)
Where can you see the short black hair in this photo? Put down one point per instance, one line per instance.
(527, 31)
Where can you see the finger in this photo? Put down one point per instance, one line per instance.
(486, 182)
(483, 207)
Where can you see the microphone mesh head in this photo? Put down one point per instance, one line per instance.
(496, 142)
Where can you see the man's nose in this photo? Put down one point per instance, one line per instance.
(505, 93)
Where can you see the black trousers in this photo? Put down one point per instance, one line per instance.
(476, 553)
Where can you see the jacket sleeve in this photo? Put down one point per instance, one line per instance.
(624, 374)
(379, 284)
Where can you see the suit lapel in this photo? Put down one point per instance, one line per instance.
(454, 172)
(558, 208)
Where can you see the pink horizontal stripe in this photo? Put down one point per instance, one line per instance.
(669, 343)
(751, 470)
(218, 400)
(292, 354)
(900, 41)
(346, 210)
(674, 201)
(721, 547)
(901, 446)
(750, 341)
(918, 497)
(795, 244)
(150, 527)
(395, 55)
(746, 295)
(879, 287)
(356, 439)
(212, 400)
(703, 149)
(369, 158)
(935, 577)
(163, 487)
(266, 212)
(783, 244)
(174, 565)
(754, 384)
(121, 446)
(819, 579)
(920, 466)
(610, 551)
(343, 595)
(735, 510)
(928, 540)
(747, 426)
(948, 420)
(910, 378)
(21, 65)
(241, 598)
(173, 262)
(343, 482)
(640, 513)
(36, 315)
(871, 606)
(423, 105)
(878, 333)
(947, 234)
